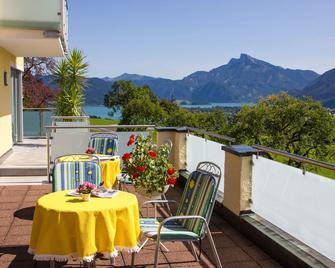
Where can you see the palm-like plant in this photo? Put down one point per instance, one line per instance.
(71, 74)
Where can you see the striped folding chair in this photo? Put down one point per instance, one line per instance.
(71, 170)
(191, 222)
(104, 143)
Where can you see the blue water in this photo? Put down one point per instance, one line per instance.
(102, 111)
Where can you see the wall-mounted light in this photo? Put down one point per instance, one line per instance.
(5, 79)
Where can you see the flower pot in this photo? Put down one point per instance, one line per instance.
(155, 195)
(86, 197)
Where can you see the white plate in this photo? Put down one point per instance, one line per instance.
(107, 193)
(73, 193)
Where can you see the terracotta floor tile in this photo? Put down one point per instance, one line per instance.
(269, 264)
(7, 206)
(9, 193)
(244, 264)
(17, 240)
(20, 230)
(232, 254)
(256, 253)
(6, 221)
(6, 213)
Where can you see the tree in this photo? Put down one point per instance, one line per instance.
(124, 91)
(36, 94)
(71, 74)
(143, 110)
(283, 122)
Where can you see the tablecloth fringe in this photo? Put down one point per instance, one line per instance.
(63, 258)
(129, 249)
(59, 258)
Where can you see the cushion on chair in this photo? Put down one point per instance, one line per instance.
(104, 145)
(172, 230)
(196, 200)
(68, 175)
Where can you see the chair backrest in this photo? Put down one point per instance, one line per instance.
(70, 174)
(104, 143)
(199, 196)
(77, 157)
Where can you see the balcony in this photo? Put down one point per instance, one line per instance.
(266, 212)
(34, 27)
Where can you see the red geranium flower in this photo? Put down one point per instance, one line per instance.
(134, 176)
(141, 168)
(171, 170)
(126, 156)
(152, 154)
(131, 140)
(171, 180)
(90, 150)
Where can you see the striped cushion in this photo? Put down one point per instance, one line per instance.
(104, 145)
(197, 199)
(68, 175)
(172, 230)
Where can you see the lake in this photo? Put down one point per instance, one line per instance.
(102, 111)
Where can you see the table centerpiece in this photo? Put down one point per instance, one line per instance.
(148, 166)
(85, 189)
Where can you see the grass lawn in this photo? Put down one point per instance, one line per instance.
(99, 121)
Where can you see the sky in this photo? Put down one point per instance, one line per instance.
(174, 38)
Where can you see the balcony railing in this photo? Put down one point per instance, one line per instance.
(297, 201)
(35, 120)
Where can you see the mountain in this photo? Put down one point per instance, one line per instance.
(240, 80)
(322, 89)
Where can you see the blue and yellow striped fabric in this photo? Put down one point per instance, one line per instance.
(172, 230)
(68, 175)
(104, 145)
(197, 199)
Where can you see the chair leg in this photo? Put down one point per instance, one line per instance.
(133, 259)
(52, 263)
(144, 243)
(193, 251)
(156, 253)
(215, 253)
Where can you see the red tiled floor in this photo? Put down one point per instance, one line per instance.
(17, 208)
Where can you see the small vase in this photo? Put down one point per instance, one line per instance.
(151, 196)
(86, 197)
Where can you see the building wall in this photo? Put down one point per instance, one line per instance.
(7, 61)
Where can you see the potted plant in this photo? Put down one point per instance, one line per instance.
(148, 166)
(85, 189)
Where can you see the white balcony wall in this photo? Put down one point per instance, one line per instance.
(200, 149)
(300, 204)
(34, 28)
(32, 14)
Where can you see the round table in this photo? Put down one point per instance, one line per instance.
(66, 226)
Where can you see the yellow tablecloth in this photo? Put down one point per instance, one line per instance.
(109, 171)
(66, 226)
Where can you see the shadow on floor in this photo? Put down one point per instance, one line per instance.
(25, 213)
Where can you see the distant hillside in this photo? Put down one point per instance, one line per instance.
(241, 80)
(322, 89)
